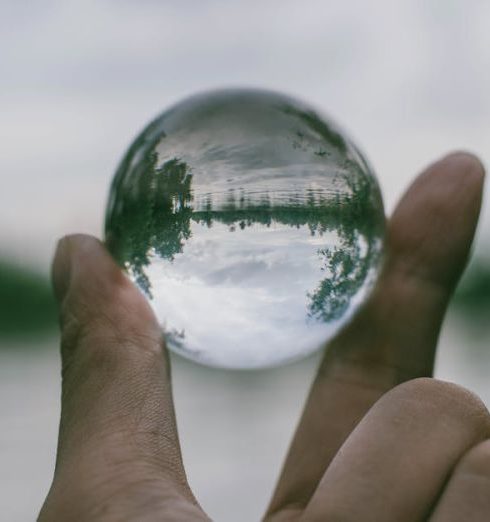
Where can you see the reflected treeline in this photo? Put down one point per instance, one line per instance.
(318, 126)
(154, 216)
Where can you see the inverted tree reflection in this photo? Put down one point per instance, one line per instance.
(153, 216)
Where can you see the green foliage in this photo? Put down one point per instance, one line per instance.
(472, 298)
(154, 215)
(27, 306)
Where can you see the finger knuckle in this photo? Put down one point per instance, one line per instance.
(433, 398)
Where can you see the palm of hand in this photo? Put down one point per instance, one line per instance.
(378, 439)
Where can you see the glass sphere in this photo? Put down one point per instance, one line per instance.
(251, 223)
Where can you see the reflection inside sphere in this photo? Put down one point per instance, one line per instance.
(251, 223)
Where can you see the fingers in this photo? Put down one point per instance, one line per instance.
(447, 200)
(393, 338)
(117, 417)
(395, 463)
(467, 495)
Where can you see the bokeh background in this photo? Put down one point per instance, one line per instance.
(409, 79)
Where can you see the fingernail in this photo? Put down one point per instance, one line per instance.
(61, 269)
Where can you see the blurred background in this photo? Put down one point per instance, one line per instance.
(409, 79)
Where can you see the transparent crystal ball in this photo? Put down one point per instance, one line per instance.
(252, 224)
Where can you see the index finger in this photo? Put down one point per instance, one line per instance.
(393, 338)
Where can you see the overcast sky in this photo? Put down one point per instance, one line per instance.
(409, 79)
(79, 79)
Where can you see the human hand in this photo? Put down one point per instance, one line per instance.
(367, 447)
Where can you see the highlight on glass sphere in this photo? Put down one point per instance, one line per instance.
(251, 223)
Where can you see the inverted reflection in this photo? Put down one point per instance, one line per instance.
(252, 225)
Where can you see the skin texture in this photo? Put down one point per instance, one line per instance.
(379, 439)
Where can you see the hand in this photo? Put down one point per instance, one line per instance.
(368, 448)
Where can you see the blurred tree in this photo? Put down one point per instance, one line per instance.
(27, 306)
(472, 298)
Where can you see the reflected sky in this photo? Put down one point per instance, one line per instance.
(252, 224)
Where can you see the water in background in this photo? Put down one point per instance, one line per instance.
(235, 426)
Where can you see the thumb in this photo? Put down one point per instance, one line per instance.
(117, 416)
